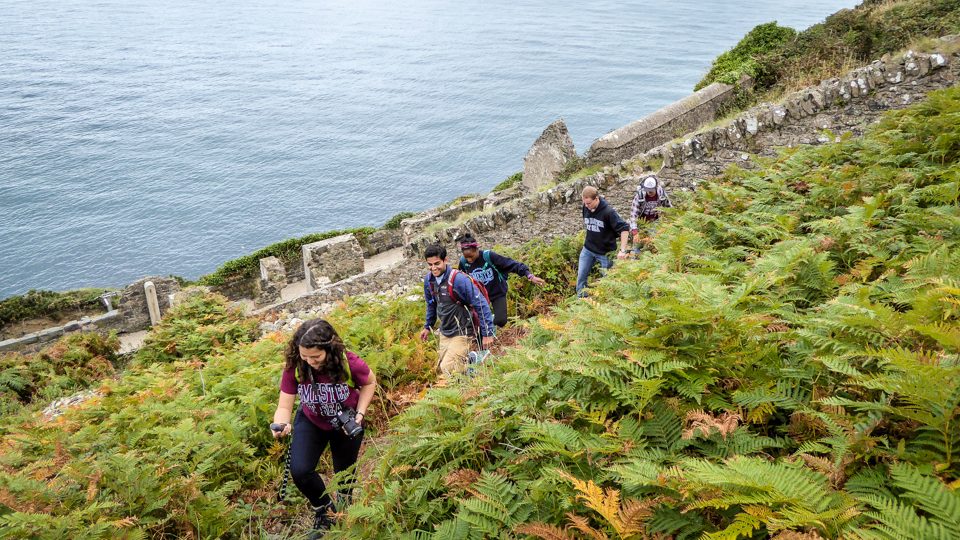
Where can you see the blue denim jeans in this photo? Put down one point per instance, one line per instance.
(587, 260)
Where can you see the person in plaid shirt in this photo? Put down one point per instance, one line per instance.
(650, 197)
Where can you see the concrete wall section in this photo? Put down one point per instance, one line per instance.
(38, 339)
(663, 125)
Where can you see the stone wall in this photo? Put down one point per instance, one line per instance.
(332, 260)
(805, 117)
(132, 308)
(380, 241)
(398, 277)
(36, 340)
(413, 226)
(663, 125)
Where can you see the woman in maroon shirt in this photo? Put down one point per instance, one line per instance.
(327, 379)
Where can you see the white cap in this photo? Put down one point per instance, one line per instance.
(650, 183)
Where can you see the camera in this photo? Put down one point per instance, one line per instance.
(346, 420)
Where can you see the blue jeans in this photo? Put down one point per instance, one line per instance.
(587, 260)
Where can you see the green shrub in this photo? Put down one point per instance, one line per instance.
(849, 38)
(786, 361)
(72, 363)
(743, 58)
(196, 328)
(394, 222)
(248, 266)
(509, 182)
(555, 263)
(35, 304)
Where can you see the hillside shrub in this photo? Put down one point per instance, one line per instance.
(743, 59)
(195, 328)
(779, 58)
(509, 182)
(394, 222)
(72, 363)
(786, 364)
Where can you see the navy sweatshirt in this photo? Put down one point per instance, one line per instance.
(494, 277)
(455, 318)
(603, 228)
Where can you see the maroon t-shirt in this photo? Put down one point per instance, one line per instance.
(324, 394)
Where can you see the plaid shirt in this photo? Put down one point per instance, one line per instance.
(647, 209)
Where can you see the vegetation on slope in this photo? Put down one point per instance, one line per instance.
(72, 363)
(787, 363)
(178, 446)
(50, 304)
(779, 58)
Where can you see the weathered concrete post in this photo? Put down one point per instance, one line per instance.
(153, 304)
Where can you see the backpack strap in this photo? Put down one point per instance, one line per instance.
(450, 291)
(346, 367)
(486, 258)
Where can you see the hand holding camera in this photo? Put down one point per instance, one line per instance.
(279, 430)
(346, 420)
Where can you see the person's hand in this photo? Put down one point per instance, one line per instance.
(360, 417)
(622, 254)
(487, 342)
(636, 236)
(424, 334)
(283, 432)
(536, 280)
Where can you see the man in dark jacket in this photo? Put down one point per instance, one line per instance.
(603, 225)
(450, 295)
(492, 269)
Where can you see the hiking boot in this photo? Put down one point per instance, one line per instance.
(322, 521)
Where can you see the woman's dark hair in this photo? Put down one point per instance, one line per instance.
(317, 334)
(466, 238)
(435, 250)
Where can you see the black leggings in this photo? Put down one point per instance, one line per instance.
(309, 442)
(499, 308)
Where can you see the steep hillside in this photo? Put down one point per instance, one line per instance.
(780, 58)
(784, 365)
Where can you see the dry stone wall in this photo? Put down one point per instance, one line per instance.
(679, 117)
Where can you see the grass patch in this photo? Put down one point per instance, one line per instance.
(512, 180)
(394, 222)
(461, 219)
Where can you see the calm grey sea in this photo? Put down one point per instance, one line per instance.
(165, 137)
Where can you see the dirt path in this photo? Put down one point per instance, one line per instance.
(132, 342)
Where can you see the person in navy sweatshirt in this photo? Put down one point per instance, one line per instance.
(492, 269)
(603, 225)
(451, 298)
